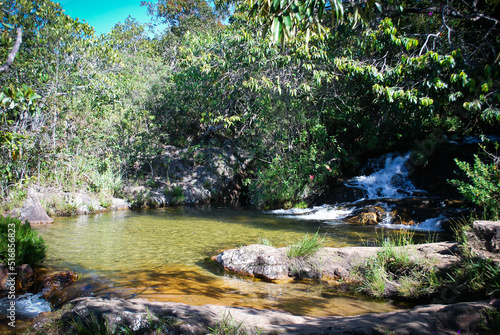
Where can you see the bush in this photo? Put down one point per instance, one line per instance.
(483, 187)
(30, 247)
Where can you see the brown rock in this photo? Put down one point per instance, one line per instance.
(53, 283)
(25, 278)
(3, 279)
(371, 215)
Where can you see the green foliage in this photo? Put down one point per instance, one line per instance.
(398, 268)
(176, 193)
(29, 246)
(91, 325)
(265, 241)
(483, 186)
(306, 247)
(229, 326)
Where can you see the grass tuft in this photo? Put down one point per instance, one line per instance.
(306, 247)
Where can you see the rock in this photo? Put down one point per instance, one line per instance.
(326, 264)
(370, 215)
(256, 260)
(3, 279)
(185, 319)
(32, 210)
(198, 176)
(25, 278)
(488, 233)
(52, 285)
(119, 204)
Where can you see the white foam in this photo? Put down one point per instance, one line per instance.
(320, 213)
(433, 224)
(28, 305)
(389, 181)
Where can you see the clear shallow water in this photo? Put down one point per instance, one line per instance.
(164, 255)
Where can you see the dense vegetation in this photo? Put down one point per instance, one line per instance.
(29, 246)
(309, 88)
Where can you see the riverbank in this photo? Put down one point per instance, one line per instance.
(144, 317)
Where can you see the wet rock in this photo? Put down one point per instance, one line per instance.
(402, 216)
(52, 285)
(25, 278)
(32, 210)
(488, 233)
(370, 215)
(3, 279)
(256, 260)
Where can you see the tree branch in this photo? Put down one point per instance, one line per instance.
(13, 52)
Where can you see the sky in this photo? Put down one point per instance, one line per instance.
(104, 14)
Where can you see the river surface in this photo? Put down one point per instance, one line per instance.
(164, 255)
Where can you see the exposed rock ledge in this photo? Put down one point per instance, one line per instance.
(272, 264)
(137, 315)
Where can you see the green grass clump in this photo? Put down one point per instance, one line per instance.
(29, 246)
(229, 326)
(306, 247)
(398, 270)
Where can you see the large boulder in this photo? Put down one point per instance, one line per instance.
(32, 210)
(256, 260)
(194, 176)
(488, 233)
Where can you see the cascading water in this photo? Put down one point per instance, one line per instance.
(28, 305)
(390, 179)
(382, 188)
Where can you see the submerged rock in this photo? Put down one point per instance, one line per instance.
(51, 286)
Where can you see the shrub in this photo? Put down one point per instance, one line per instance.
(483, 187)
(30, 247)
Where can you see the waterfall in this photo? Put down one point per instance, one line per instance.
(390, 179)
(386, 183)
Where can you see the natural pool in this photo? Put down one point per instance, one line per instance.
(164, 255)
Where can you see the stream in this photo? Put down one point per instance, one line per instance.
(164, 254)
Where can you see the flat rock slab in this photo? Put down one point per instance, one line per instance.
(134, 314)
(273, 264)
